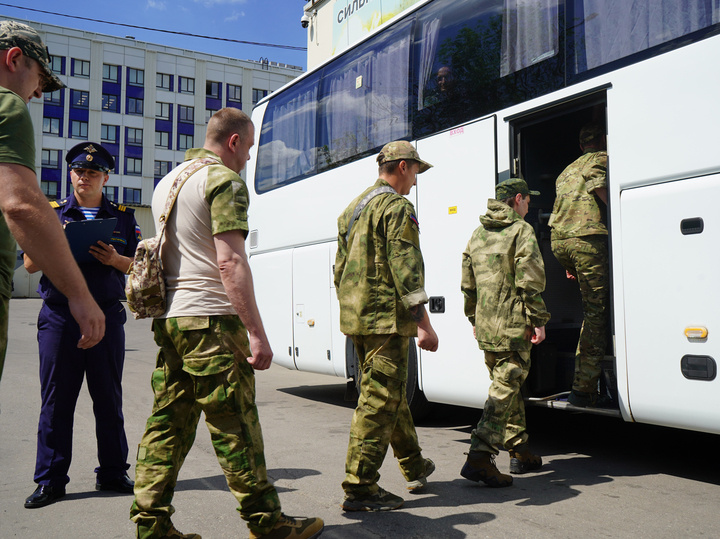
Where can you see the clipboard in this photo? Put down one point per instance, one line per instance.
(82, 234)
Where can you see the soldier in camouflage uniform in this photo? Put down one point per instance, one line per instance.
(502, 279)
(579, 242)
(379, 278)
(211, 339)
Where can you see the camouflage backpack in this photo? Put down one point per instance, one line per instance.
(145, 286)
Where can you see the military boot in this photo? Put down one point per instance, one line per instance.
(480, 466)
(522, 460)
(174, 534)
(421, 481)
(293, 528)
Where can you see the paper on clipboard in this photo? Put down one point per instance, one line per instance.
(82, 234)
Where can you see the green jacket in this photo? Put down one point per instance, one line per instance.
(502, 278)
(576, 211)
(379, 270)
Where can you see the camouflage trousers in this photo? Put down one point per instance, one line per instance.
(382, 416)
(202, 367)
(4, 319)
(503, 419)
(586, 258)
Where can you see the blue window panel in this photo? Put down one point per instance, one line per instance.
(51, 174)
(234, 104)
(79, 114)
(135, 91)
(212, 103)
(133, 151)
(186, 129)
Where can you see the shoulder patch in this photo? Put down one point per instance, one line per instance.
(58, 204)
(414, 220)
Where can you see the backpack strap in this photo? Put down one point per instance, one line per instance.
(364, 202)
(180, 180)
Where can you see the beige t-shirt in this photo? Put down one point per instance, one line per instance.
(213, 200)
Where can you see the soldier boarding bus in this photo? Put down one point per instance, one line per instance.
(487, 90)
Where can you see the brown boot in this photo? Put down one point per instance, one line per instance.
(523, 461)
(480, 466)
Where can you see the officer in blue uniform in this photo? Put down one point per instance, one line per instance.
(62, 364)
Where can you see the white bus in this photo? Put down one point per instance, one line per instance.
(487, 90)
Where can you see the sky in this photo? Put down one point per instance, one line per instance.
(274, 22)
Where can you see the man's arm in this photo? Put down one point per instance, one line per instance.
(36, 228)
(237, 280)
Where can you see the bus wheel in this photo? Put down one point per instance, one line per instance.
(419, 405)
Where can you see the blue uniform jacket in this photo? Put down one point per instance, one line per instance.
(106, 284)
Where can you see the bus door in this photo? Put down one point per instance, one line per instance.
(544, 142)
(451, 196)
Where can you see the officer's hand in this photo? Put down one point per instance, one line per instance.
(427, 339)
(570, 276)
(538, 335)
(90, 319)
(104, 253)
(262, 354)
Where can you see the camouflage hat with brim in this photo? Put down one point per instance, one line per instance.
(401, 149)
(590, 132)
(510, 188)
(16, 34)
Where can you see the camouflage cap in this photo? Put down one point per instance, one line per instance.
(401, 149)
(15, 34)
(590, 132)
(510, 188)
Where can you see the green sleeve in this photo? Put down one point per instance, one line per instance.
(17, 139)
(228, 197)
(468, 286)
(403, 252)
(530, 278)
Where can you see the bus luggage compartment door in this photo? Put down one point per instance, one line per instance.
(670, 272)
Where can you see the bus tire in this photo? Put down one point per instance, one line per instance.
(419, 406)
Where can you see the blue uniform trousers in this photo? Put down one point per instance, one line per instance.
(62, 369)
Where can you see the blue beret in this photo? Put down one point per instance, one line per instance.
(90, 155)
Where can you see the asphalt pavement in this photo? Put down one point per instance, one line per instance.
(601, 478)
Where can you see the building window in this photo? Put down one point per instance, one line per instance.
(162, 168)
(185, 142)
(52, 97)
(187, 85)
(110, 192)
(51, 126)
(209, 114)
(186, 114)
(79, 99)
(110, 73)
(162, 110)
(212, 89)
(134, 105)
(134, 136)
(56, 64)
(257, 95)
(162, 139)
(131, 196)
(49, 189)
(78, 129)
(81, 68)
(108, 133)
(110, 103)
(50, 158)
(133, 166)
(136, 77)
(234, 93)
(164, 81)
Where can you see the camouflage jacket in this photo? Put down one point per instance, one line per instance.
(379, 270)
(577, 211)
(502, 278)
